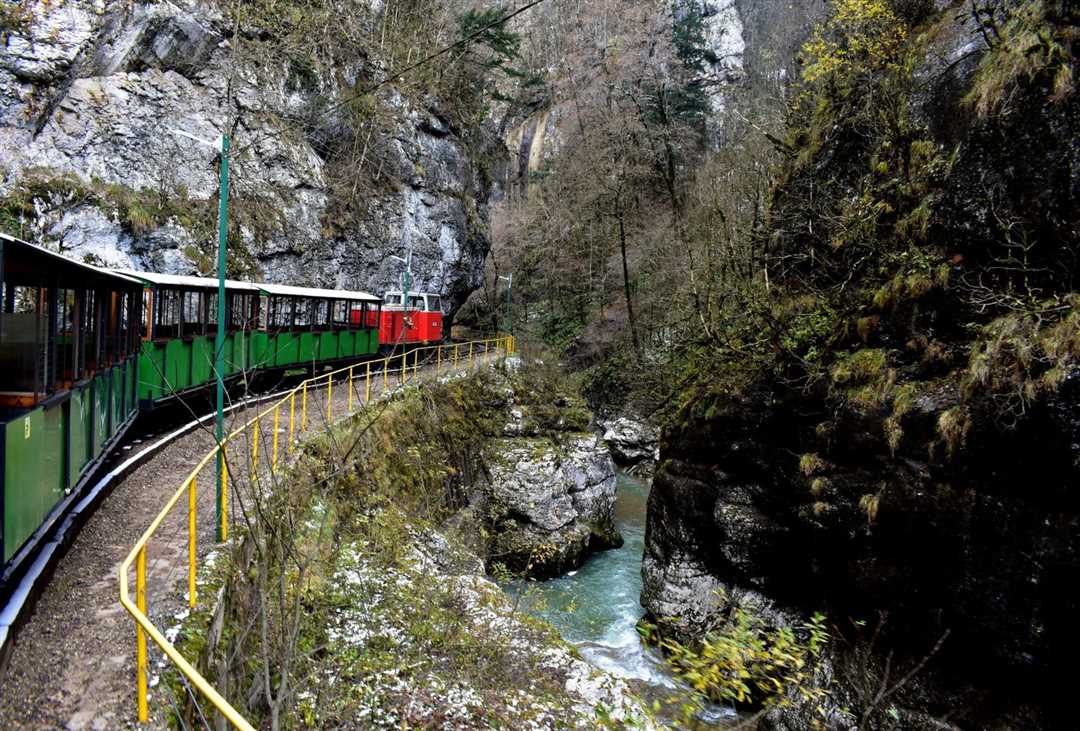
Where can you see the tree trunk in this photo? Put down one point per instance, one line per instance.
(626, 279)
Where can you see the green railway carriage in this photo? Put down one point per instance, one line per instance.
(308, 325)
(269, 327)
(68, 344)
(83, 348)
(179, 331)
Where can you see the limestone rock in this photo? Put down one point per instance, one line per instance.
(634, 443)
(93, 93)
(550, 503)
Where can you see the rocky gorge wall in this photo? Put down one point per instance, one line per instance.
(923, 479)
(91, 94)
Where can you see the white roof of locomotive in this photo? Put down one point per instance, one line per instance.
(413, 293)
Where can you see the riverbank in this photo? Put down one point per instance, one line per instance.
(597, 608)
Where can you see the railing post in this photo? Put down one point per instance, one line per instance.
(367, 384)
(455, 357)
(277, 422)
(385, 375)
(416, 365)
(224, 496)
(255, 450)
(192, 512)
(404, 367)
(140, 637)
(292, 411)
(349, 409)
(303, 409)
(438, 362)
(470, 355)
(329, 398)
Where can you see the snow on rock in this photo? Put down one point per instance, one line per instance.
(390, 615)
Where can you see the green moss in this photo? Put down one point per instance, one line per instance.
(867, 365)
(812, 465)
(1032, 44)
(953, 427)
(1020, 359)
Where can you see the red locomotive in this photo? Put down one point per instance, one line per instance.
(420, 323)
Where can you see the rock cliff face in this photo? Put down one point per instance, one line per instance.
(747, 42)
(947, 506)
(91, 97)
(551, 503)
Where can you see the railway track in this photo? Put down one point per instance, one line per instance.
(71, 663)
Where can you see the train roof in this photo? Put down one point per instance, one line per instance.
(287, 290)
(179, 280)
(283, 290)
(413, 293)
(39, 259)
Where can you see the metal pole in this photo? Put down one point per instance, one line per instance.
(219, 341)
(141, 663)
(405, 297)
(349, 409)
(223, 487)
(510, 301)
(192, 533)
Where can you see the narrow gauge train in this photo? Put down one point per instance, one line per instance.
(83, 349)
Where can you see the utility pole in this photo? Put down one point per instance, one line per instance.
(509, 301)
(222, 146)
(219, 341)
(405, 277)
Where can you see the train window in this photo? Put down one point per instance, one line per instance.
(91, 320)
(281, 313)
(166, 313)
(148, 313)
(241, 314)
(112, 327)
(67, 337)
(416, 302)
(434, 303)
(322, 314)
(341, 313)
(21, 352)
(302, 309)
(392, 298)
(192, 313)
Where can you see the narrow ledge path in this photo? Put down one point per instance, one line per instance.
(73, 662)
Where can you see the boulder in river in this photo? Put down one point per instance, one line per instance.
(634, 443)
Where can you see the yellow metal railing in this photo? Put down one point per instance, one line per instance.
(446, 358)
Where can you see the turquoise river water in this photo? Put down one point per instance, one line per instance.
(597, 607)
